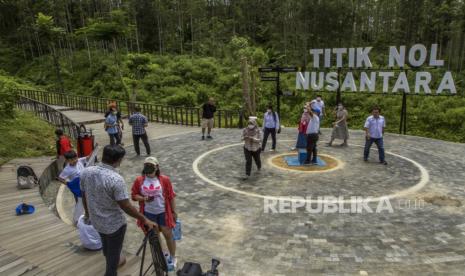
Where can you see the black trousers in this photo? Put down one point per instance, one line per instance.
(248, 160)
(269, 131)
(145, 140)
(115, 139)
(112, 244)
(312, 138)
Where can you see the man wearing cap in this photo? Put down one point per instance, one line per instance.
(155, 195)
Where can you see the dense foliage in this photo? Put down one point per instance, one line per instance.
(181, 52)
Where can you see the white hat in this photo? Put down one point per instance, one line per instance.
(151, 160)
(252, 118)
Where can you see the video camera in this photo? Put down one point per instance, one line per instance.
(194, 269)
(213, 271)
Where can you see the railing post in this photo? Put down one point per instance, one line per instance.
(219, 119)
(241, 118)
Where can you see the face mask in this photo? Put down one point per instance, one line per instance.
(340, 108)
(305, 110)
(114, 112)
(269, 110)
(148, 169)
(250, 126)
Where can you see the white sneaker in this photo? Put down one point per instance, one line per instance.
(271, 150)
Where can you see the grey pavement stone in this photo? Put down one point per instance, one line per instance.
(233, 227)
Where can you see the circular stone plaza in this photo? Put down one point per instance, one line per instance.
(349, 217)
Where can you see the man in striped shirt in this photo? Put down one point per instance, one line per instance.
(139, 122)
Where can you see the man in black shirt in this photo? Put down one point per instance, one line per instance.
(208, 112)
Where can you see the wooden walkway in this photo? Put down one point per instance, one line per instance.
(41, 244)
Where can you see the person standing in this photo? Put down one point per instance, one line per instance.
(251, 135)
(139, 122)
(105, 197)
(270, 126)
(302, 136)
(318, 105)
(208, 113)
(374, 131)
(112, 108)
(312, 138)
(63, 143)
(112, 128)
(340, 128)
(154, 193)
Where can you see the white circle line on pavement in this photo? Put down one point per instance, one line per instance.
(424, 179)
(60, 206)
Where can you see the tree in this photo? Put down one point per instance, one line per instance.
(49, 34)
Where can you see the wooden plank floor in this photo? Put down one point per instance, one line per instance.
(41, 244)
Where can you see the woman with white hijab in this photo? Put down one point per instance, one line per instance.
(251, 135)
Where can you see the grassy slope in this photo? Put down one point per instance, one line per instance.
(25, 136)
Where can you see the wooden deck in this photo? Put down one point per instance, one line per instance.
(41, 244)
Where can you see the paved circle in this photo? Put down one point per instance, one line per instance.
(225, 183)
(417, 238)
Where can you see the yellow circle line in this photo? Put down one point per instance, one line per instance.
(339, 165)
(424, 179)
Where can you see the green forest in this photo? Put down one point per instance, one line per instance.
(180, 52)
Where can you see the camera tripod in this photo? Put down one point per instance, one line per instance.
(159, 264)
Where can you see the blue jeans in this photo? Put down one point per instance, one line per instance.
(379, 143)
(158, 219)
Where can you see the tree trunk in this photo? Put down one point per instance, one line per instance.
(57, 68)
(120, 74)
(137, 38)
(253, 90)
(192, 36)
(245, 85)
(160, 30)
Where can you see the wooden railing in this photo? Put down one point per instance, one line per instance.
(49, 114)
(179, 115)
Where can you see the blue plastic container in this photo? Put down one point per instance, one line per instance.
(177, 233)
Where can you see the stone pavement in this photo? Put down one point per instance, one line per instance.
(224, 216)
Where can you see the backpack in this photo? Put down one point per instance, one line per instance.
(26, 178)
(274, 118)
(190, 269)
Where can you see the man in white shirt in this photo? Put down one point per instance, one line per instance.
(374, 130)
(318, 106)
(312, 138)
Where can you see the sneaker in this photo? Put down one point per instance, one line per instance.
(271, 150)
(329, 144)
(365, 159)
(383, 162)
(209, 137)
(170, 263)
(343, 145)
(245, 177)
(203, 137)
(175, 262)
